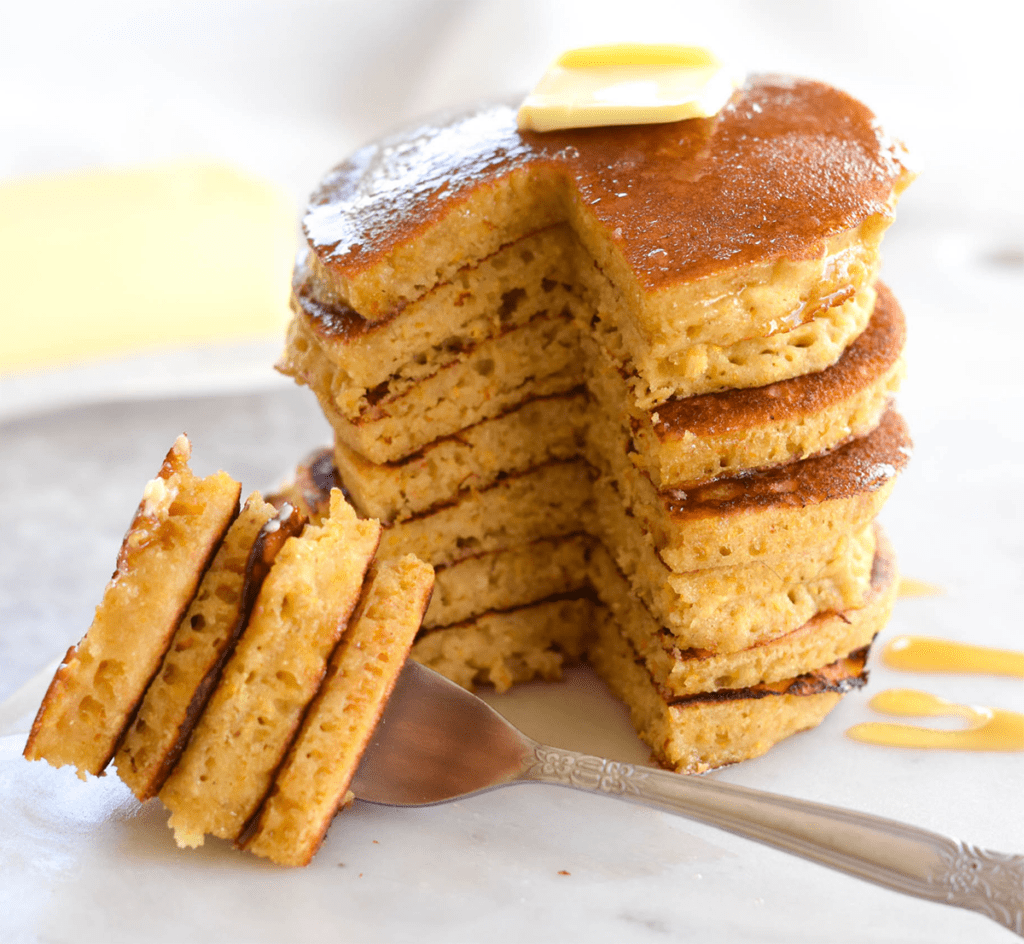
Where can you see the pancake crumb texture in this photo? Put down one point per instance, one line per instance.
(276, 668)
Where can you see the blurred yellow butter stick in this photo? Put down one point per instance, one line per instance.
(99, 263)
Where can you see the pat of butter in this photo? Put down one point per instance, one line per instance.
(627, 84)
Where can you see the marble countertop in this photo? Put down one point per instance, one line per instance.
(491, 867)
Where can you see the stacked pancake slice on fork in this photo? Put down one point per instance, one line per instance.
(628, 391)
(237, 663)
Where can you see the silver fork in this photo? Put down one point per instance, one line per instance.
(437, 742)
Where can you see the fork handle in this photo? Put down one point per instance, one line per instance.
(889, 853)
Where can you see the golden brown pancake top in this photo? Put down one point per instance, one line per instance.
(785, 165)
(876, 350)
(860, 466)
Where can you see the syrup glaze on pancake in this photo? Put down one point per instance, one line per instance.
(786, 164)
(861, 465)
(863, 362)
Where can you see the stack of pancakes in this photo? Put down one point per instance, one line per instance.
(628, 390)
(238, 662)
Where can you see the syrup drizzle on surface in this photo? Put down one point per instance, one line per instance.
(988, 729)
(924, 654)
(909, 587)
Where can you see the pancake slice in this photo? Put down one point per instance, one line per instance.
(823, 638)
(327, 339)
(760, 515)
(695, 733)
(502, 648)
(313, 781)
(720, 610)
(509, 578)
(278, 664)
(549, 501)
(695, 439)
(536, 431)
(97, 689)
(201, 645)
(687, 364)
(537, 359)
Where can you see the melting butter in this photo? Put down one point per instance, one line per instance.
(627, 84)
(988, 729)
(924, 654)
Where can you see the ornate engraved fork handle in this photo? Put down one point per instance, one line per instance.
(892, 854)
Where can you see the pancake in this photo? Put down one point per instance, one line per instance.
(693, 453)
(714, 230)
(694, 439)
(499, 293)
(502, 648)
(532, 360)
(825, 637)
(277, 666)
(202, 643)
(760, 515)
(549, 501)
(731, 608)
(533, 433)
(98, 687)
(695, 733)
(312, 782)
(506, 579)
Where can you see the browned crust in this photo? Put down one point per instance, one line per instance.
(840, 677)
(758, 182)
(858, 467)
(310, 490)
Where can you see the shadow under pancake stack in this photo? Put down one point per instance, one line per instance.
(628, 391)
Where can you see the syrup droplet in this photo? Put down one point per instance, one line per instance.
(924, 654)
(988, 729)
(909, 587)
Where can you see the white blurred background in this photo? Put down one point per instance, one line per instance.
(284, 90)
